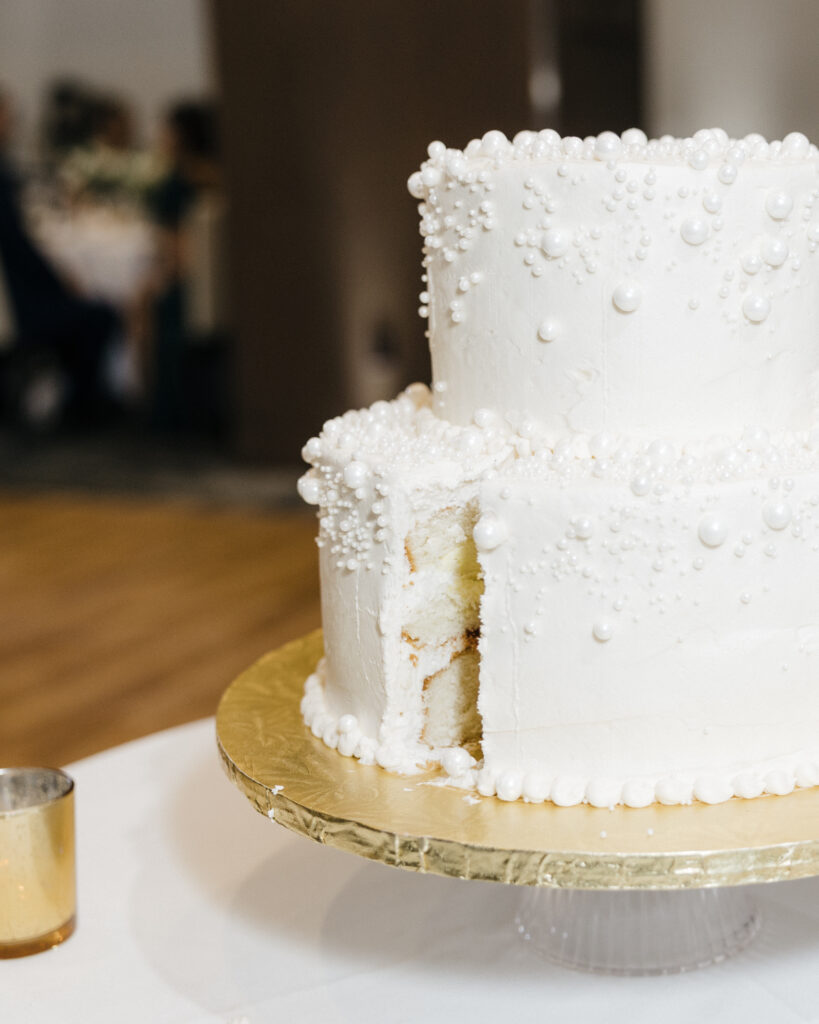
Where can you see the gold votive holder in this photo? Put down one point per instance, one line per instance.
(38, 892)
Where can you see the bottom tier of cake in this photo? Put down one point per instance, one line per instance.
(568, 621)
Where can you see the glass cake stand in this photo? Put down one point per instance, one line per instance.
(629, 891)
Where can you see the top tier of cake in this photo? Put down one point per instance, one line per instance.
(643, 289)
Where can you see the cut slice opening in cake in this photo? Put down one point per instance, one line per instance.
(451, 717)
(441, 625)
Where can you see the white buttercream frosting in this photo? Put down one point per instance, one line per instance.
(622, 440)
(639, 263)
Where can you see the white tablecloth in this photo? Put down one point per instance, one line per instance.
(107, 253)
(193, 907)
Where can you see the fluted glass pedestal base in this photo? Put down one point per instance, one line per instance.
(631, 932)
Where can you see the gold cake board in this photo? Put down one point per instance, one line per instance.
(406, 822)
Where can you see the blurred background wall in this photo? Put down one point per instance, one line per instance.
(324, 109)
(327, 110)
(150, 51)
(742, 65)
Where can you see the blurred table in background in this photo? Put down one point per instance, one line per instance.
(107, 251)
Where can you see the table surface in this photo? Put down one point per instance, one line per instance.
(194, 908)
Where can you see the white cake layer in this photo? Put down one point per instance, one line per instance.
(649, 623)
(662, 289)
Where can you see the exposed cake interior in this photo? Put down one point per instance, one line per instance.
(442, 624)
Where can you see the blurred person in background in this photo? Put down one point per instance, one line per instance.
(68, 119)
(112, 125)
(191, 181)
(53, 367)
(105, 165)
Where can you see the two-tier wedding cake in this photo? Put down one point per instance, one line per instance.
(584, 566)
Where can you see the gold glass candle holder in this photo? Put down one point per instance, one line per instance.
(38, 895)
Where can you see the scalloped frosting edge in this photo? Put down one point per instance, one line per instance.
(772, 777)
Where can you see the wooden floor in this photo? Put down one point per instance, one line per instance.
(121, 617)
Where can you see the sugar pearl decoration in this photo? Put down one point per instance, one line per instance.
(606, 146)
(309, 489)
(774, 251)
(431, 176)
(355, 474)
(641, 485)
(547, 331)
(712, 202)
(712, 530)
(601, 630)
(489, 533)
(457, 761)
(627, 296)
(795, 145)
(777, 514)
(416, 186)
(778, 205)
(583, 527)
(698, 159)
(634, 137)
(554, 243)
(492, 142)
(312, 450)
(751, 263)
(694, 230)
(756, 308)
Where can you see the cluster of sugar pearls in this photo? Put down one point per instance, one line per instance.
(405, 434)
(595, 550)
(363, 447)
(596, 547)
(357, 455)
(705, 147)
(451, 233)
(652, 467)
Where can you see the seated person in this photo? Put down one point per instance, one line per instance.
(189, 142)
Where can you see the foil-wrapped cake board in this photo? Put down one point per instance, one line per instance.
(415, 822)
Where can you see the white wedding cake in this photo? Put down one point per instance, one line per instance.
(584, 566)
